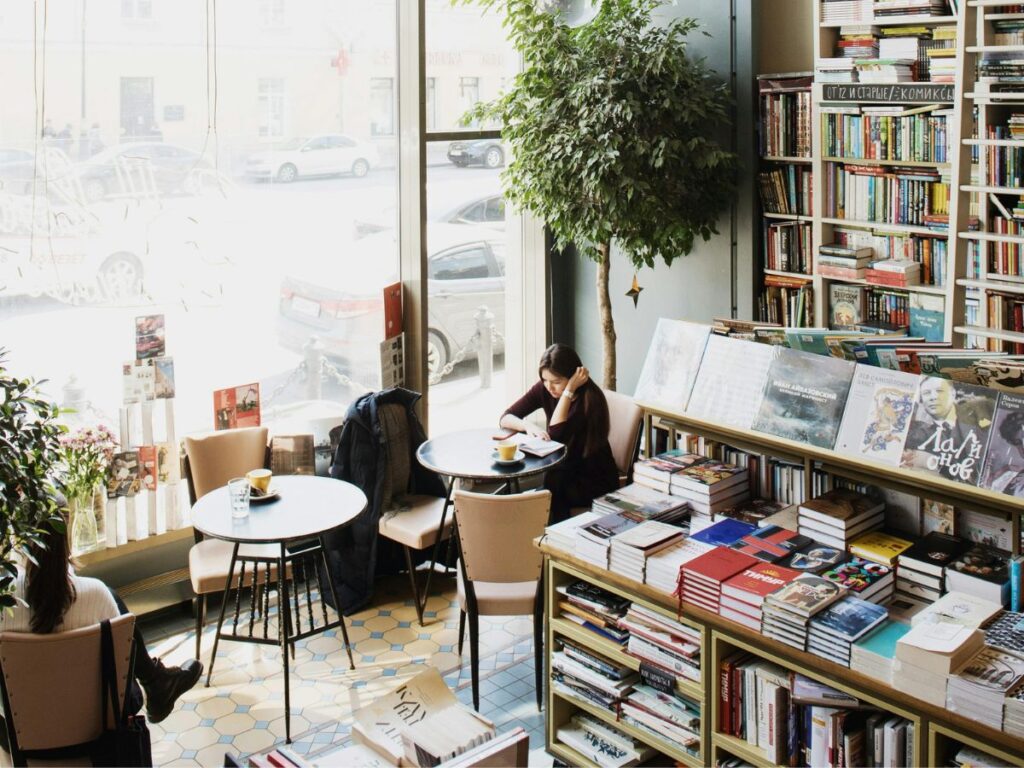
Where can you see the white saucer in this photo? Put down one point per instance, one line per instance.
(514, 460)
(271, 494)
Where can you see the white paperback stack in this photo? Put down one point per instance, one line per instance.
(929, 653)
(978, 690)
(564, 535)
(842, 11)
(642, 503)
(630, 550)
(837, 517)
(1013, 715)
(663, 567)
(710, 487)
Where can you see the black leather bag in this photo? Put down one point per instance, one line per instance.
(127, 743)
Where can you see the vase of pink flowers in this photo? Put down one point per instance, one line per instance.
(85, 457)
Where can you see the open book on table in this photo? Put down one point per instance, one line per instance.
(535, 446)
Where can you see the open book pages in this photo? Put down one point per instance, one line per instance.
(536, 446)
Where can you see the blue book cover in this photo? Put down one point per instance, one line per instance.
(882, 642)
(849, 618)
(725, 532)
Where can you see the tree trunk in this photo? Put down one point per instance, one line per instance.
(604, 306)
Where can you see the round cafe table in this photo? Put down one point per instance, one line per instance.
(466, 455)
(305, 509)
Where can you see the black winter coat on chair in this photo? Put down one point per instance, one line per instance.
(360, 459)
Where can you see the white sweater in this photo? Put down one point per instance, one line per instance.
(92, 604)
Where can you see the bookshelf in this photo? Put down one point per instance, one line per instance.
(938, 732)
(989, 242)
(889, 168)
(784, 180)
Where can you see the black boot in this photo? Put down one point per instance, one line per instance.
(166, 685)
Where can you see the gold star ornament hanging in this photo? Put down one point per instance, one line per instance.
(634, 292)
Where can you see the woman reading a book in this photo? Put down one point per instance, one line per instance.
(577, 415)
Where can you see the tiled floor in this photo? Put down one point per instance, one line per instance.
(242, 710)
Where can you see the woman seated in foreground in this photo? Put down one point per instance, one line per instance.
(577, 415)
(54, 599)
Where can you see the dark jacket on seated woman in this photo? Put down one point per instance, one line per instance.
(589, 469)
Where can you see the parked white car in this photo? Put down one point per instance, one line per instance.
(326, 155)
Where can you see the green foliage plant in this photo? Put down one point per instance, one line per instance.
(613, 129)
(29, 455)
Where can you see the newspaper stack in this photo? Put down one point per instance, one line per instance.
(979, 689)
(630, 549)
(1013, 715)
(564, 535)
(663, 567)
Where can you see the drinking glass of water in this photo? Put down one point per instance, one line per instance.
(238, 492)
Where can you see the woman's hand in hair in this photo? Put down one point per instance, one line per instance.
(578, 379)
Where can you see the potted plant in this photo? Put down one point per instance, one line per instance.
(614, 129)
(29, 455)
(85, 457)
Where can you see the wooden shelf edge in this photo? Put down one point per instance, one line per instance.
(740, 748)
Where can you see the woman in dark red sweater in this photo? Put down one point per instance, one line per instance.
(577, 415)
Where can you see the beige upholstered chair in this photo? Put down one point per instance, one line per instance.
(51, 686)
(625, 419)
(413, 521)
(210, 461)
(500, 568)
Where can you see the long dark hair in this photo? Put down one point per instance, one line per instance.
(563, 361)
(49, 590)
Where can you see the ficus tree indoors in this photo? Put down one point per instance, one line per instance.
(613, 131)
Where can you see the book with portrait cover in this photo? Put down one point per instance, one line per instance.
(950, 429)
(163, 371)
(719, 395)
(814, 558)
(806, 595)
(237, 407)
(671, 364)
(1004, 459)
(148, 467)
(850, 618)
(804, 397)
(123, 474)
(877, 416)
(149, 337)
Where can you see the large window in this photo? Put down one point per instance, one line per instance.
(271, 106)
(382, 106)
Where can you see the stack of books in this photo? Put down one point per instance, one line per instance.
(835, 70)
(664, 714)
(656, 473)
(873, 654)
(664, 567)
(753, 511)
(772, 543)
(593, 608)
(786, 612)
(866, 580)
(565, 534)
(711, 486)
(582, 674)
(601, 743)
(815, 558)
(641, 503)
(894, 273)
(667, 644)
(929, 653)
(922, 8)
(630, 549)
(1006, 631)
(978, 690)
(837, 517)
(981, 571)
(834, 630)
(703, 576)
(857, 41)
(885, 70)
(744, 594)
(843, 261)
(879, 547)
(724, 533)
(968, 610)
(1013, 714)
(921, 569)
(842, 11)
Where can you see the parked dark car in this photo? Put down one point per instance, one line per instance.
(139, 169)
(342, 303)
(486, 152)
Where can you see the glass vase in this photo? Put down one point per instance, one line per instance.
(99, 510)
(83, 522)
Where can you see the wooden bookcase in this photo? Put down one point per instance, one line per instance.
(955, 169)
(937, 730)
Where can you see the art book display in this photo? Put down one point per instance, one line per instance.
(237, 407)
(672, 363)
(149, 337)
(720, 395)
(1004, 460)
(878, 413)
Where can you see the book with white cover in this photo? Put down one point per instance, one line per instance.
(960, 607)
(564, 534)
(648, 537)
(731, 380)
(878, 412)
(671, 364)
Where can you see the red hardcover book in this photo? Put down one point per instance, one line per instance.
(724, 696)
(753, 585)
(720, 564)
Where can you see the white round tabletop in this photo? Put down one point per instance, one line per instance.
(306, 506)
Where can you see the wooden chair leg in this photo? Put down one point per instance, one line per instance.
(200, 608)
(538, 646)
(462, 630)
(474, 656)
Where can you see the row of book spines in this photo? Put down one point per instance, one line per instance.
(1006, 313)
(915, 138)
(1005, 166)
(786, 124)
(788, 305)
(787, 246)
(884, 198)
(930, 253)
(786, 189)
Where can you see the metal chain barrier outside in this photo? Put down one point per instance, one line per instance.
(327, 369)
(296, 375)
(458, 358)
